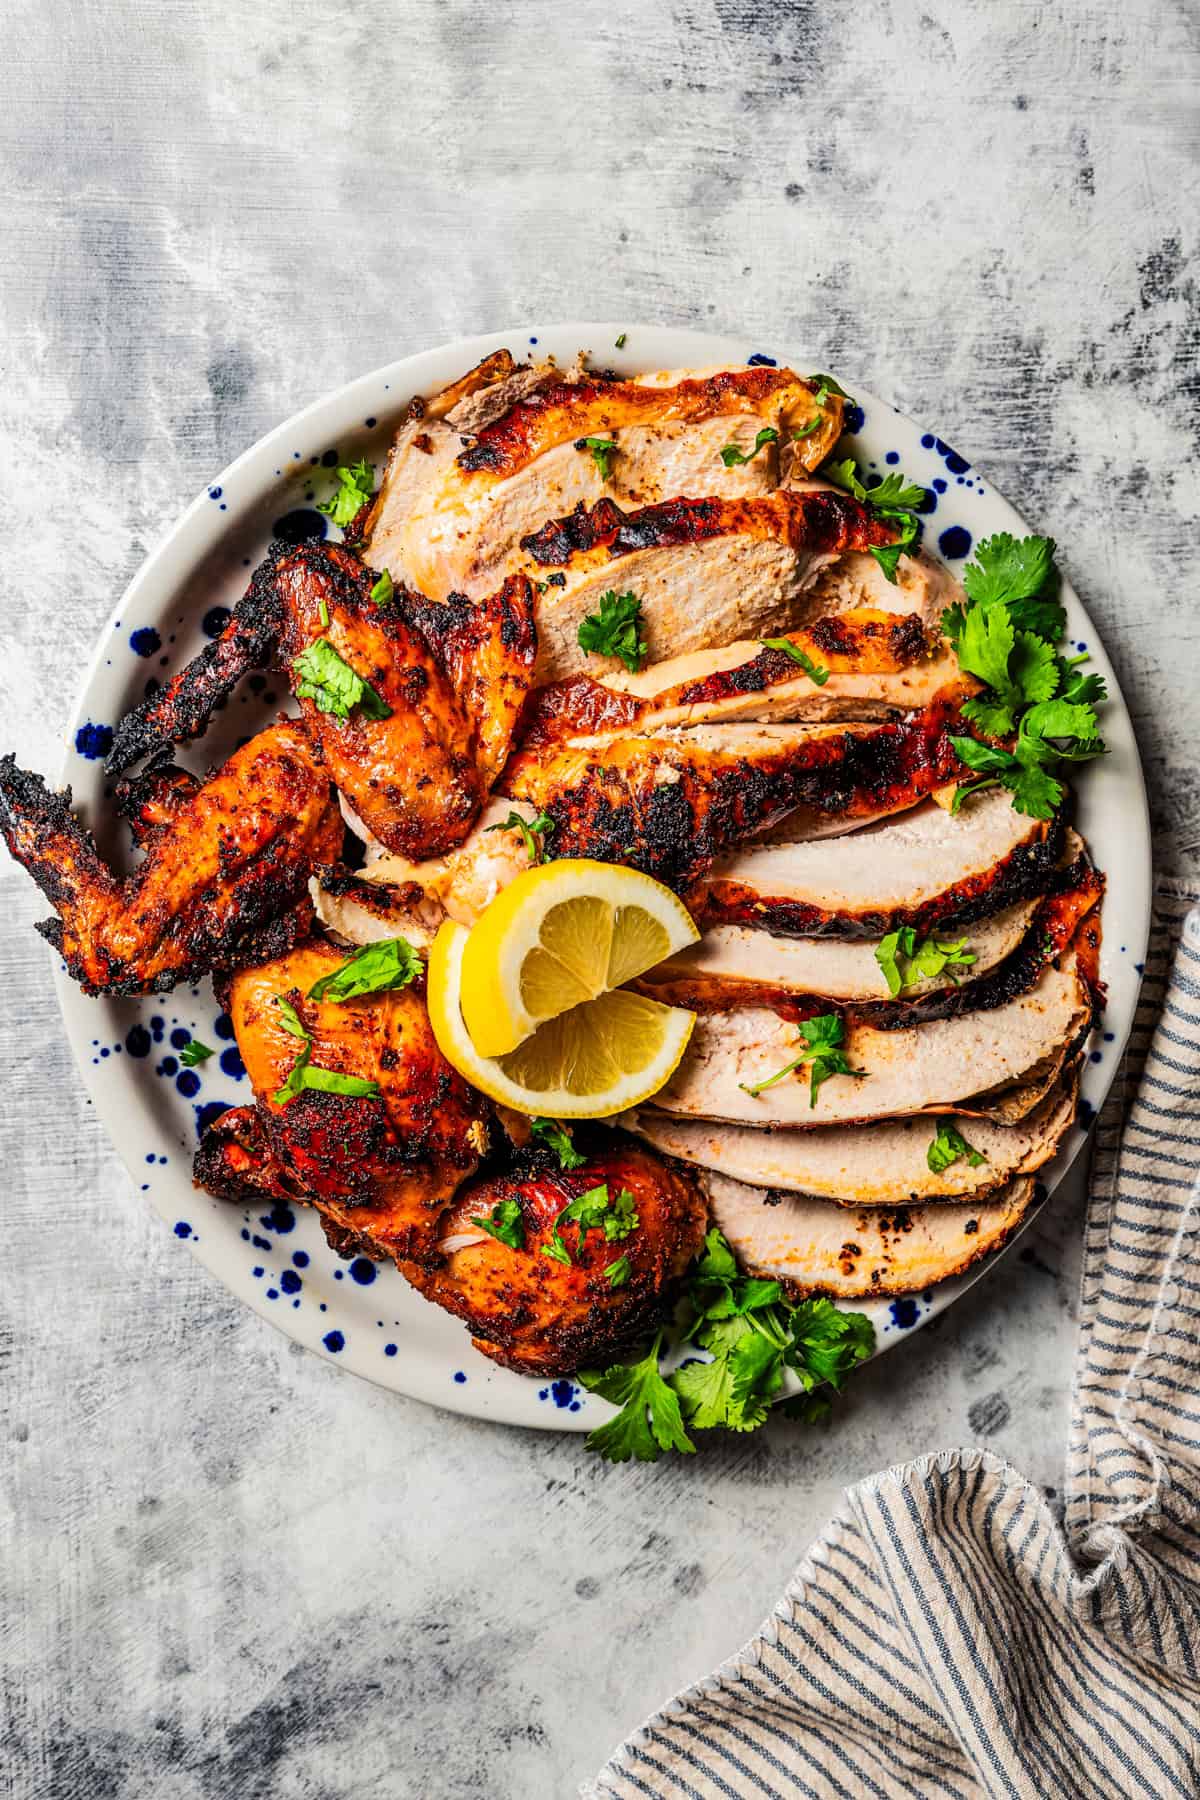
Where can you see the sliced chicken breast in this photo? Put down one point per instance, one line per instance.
(474, 470)
(731, 960)
(960, 1064)
(886, 1164)
(926, 865)
(821, 1249)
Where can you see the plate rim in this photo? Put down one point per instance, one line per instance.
(180, 547)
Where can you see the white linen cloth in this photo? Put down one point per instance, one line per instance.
(945, 1636)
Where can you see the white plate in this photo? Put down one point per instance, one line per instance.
(368, 1320)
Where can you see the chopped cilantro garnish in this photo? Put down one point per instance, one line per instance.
(557, 1138)
(949, 1146)
(731, 455)
(826, 385)
(372, 969)
(533, 832)
(383, 590)
(615, 630)
(194, 1052)
(326, 678)
(304, 1075)
(905, 961)
(603, 450)
(355, 487)
(822, 1038)
(592, 1211)
(815, 671)
(893, 498)
(619, 342)
(323, 612)
(505, 1223)
(618, 1272)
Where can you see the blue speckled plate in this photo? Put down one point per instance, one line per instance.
(369, 1320)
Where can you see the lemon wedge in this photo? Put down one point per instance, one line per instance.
(588, 1062)
(559, 935)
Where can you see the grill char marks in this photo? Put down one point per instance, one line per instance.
(814, 519)
(561, 410)
(671, 804)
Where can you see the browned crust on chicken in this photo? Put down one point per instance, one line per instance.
(532, 1313)
(222, 863)
(562, 410)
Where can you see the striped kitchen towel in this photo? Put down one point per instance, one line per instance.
(945, 1636)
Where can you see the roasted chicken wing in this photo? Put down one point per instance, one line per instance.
(561, 1297)
(224, 860)
(414, 704)
(379, 1167)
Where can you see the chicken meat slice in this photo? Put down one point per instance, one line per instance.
(473, 471)
(958, 1064)
(379, 1167)
(815, 1248)
(225, 862)
(882, 1164)
(537, 1314)
(417, 751)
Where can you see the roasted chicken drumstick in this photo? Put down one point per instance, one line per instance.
(223, 860)
(413, 703)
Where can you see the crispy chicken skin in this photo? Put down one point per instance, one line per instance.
(535, 1314)
(224, 860)
(454, 676)
(379, 1170)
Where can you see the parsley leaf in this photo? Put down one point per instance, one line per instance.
(813, 670)
(355, 487)
(333, 686)
(556, 1137)
(533, 832)
(731, 455)
(649, 1420)
(615, 630)
(822, 1037)
(950, 1146)
(1035, 793)
(506, 1223)
(383, 591)
(373, 969)
(827, 1344)
(194, 1052)
(922, 960)
(603, 450)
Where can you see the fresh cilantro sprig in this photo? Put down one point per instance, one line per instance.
(815, 671)
(592, 1211)
(1006, 636)
(822, 1038)
(603, 451)
(506, 1223)
(194, 1053)
(893, 498)
(533, 832)
(950, 1146)
(615, 630)
(826, 385)
(373, 969)
(326, 678)
(305, 1074)
(556, 1137)
(731, 455)
(904, 961)
(751, 1335)
(355, 487)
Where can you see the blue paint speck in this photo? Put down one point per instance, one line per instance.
(281, 1218)
(167, 1067)
(938, 484)
(955, 541)
(182, 1229)
(179, 1038)
(138, 1041)
(927, 440)
(215, 620)
(562, 1392)
(94, 741)
(223, 1026)
(300, 525)
(362, 1270)
(334, 1342)
(905, 1313)
(214, 493)
(188, 1084)
(389, 1349)
(371, 423)
(290, 1282)
(145, 641)
(258, 1271)
(893, 456)
(272, 1293)
(760, 361)
(300, 1258)
(232, 1064)
(1087, 1113)
(208, 1114)
(854, 418)
(459, 1376)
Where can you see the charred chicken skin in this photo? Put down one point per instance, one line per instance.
(224, 860)
(380, 1168)
(538, 1314)
(416, 754)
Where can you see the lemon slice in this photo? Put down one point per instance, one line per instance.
(559, 935)
(586, 1063)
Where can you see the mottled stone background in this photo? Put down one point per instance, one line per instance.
(227, 1568)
